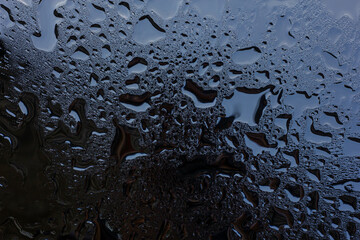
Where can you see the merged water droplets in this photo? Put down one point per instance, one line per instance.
(179, 119)
(48, 19)
(246, 105)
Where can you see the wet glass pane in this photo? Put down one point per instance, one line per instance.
(179, 119)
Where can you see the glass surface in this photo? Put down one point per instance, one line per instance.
(179, 119)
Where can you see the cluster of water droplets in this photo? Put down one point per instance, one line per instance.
(179, 119)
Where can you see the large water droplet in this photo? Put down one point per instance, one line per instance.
(146, 31)
(246, 56)
(46, 40)
(166, 9)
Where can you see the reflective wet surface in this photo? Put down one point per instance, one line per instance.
(178, 119)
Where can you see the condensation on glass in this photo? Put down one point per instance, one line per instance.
(179, 119)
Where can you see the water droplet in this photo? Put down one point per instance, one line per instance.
(246, 105)
(81, 54)
(146, 31)
(166, 9)
(46, 39)
(246, 56)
